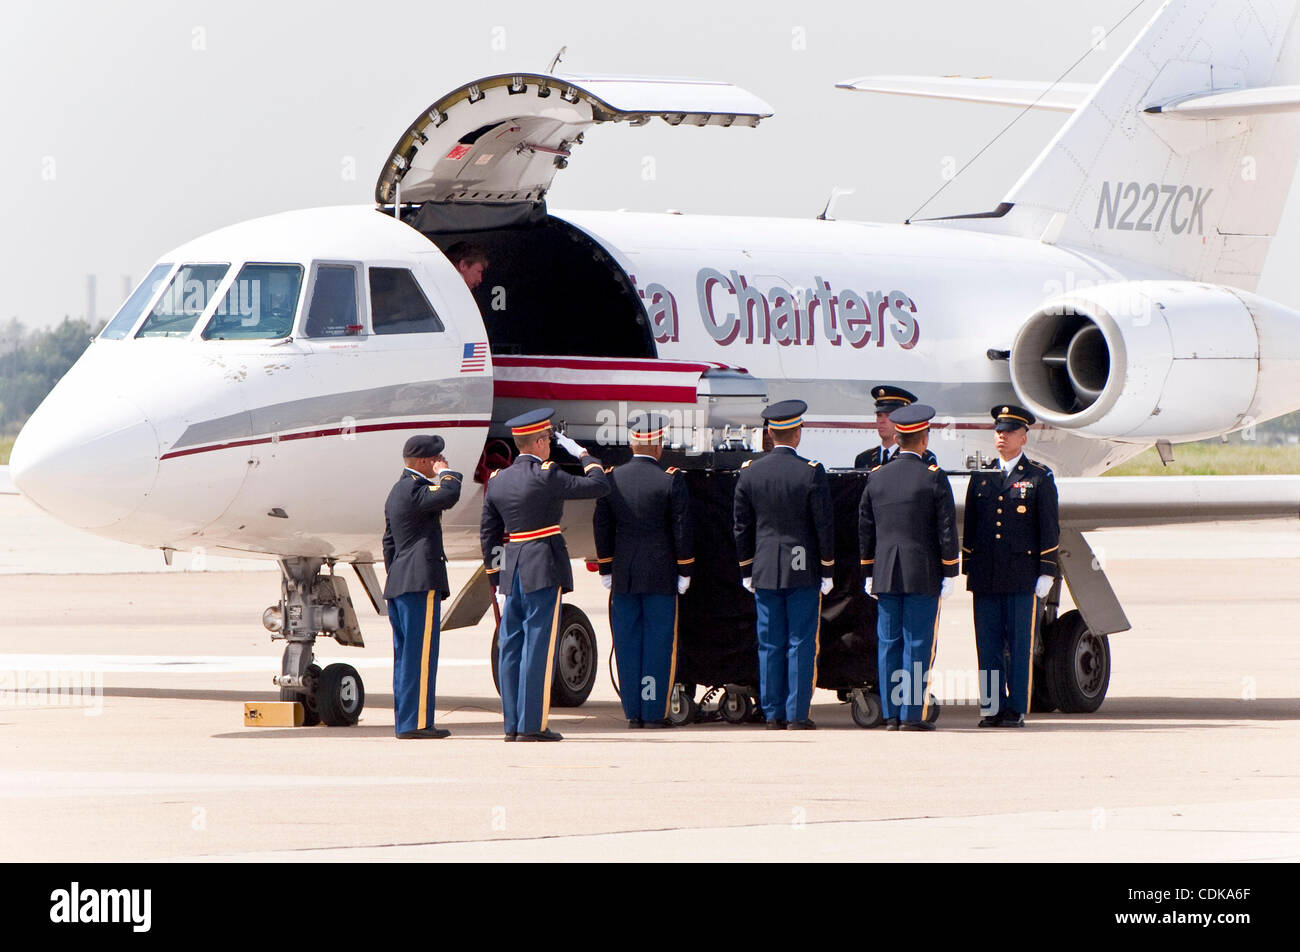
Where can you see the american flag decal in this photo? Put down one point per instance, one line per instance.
(474, 358)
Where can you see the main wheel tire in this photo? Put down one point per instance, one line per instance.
(1079, 665)
(865, 707)
(307, 696)
(682, 708)
(735, 706)
(340, 695)
(1043, 700)
(576, 659)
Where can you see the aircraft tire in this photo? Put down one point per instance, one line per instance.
(340, 695)
(576, 659)
(1078, 664)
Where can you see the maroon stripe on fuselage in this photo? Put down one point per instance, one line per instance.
(332, 431)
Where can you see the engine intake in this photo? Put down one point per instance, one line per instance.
(1153, 360)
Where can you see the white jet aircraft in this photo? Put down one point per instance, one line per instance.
(252, 395)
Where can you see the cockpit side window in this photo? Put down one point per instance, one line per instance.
(259, 304)
(186, 297)
(398, 306)
(134, 306)
(332, 310)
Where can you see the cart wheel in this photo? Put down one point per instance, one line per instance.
(735, 706)
(932, 712)
(682, 708)
(866, 709)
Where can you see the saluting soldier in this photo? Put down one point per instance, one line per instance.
(786, 549)
(888, 399)
(645, 552)
(907, 533)
(1009, 549)
(416, 581)
(522, 508)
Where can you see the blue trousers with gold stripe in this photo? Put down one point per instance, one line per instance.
(789, 620)
(905, 633)
(645, 646)
(527, 648)
(415, 618)
(1005, 622)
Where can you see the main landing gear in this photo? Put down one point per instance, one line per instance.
(313, 604)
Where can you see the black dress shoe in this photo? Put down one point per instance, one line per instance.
(655, 724)
(1012, 720)
(511, 736)
(805, 725)
(428, 733)
(541, 735)
(891, 723)
(993, 720)
(634, 723)
(776, 725)
(916, 726)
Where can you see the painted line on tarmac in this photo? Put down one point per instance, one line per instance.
(183, 664)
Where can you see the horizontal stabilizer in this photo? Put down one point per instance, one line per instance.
(1232, 103)
(1054, 97)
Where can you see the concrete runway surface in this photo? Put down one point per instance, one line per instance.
(1192, 757)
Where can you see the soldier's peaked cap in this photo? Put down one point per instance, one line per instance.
(534, 421)
(891, 398)
(423, 447)
(785, 415)
(644, 427)
(1008, 416)
(912, 418)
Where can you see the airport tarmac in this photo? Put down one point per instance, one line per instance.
(1192, 757)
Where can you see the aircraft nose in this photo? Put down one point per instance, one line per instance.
(89, 462)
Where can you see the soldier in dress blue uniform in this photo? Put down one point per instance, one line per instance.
(417, 580)
(645, 553)
(1009, 551)
(907, 533)
(888, 399)
(528, 564)
(783, 529)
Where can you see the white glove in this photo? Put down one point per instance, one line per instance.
(569, 446)
(608, 582)
(826, 585)
(945, 587)
(748, 582)
(866, 585)
(683, 583)
(501, 602)
(1043, 586)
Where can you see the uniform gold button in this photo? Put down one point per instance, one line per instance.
(998, 523)
(999, 499)
(998, 536)
(999, 512)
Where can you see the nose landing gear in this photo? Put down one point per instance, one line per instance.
(312, 604)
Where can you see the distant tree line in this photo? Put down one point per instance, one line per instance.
(31, 363)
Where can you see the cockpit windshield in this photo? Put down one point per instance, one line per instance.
(186, 297)
(259, 305)
(130, 312)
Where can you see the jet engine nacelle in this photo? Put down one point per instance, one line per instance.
(1150, 360)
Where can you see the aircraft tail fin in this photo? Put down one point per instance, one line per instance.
(1182, 157)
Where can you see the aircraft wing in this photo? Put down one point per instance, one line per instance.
(1053, 97)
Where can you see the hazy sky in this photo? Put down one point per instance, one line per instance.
(132, 127)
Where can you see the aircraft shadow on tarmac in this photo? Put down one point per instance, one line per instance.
(602, 717)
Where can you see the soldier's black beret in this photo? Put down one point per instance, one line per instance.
(423, 447)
